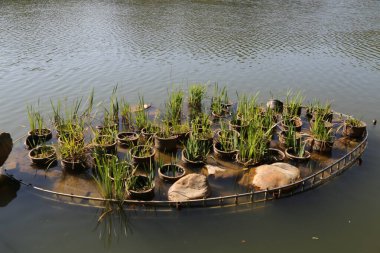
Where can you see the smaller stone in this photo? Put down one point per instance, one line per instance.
(192, 186)
(374, 122)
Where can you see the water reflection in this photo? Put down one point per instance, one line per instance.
(113, 223)
(8, 190)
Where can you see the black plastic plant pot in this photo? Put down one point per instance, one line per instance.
(322, 146)
(74, 166)
(246, 163)
(149, 135)
(289, 152)
(37, 137)
(107, 129)
(171, 172)
(236, 125)
(353, 131)
(223, 155)
(217, 116)
(182, 137)
(105, 148)
(199, 163)
(43, 156)
(296, 123)
(141, 190)
(142, 161)
(275, 105)
(328, 125)
(274, 155)
(166, 144)
(127, 139)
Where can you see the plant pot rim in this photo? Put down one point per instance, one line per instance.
(45, 134)
(219, 116)
(142, 192)
(42, 158)
(164, 176)
(291, 156)
(120, 134)
(172, 137)
(252, 163)
(279, 152)
(364, 125)
(190, 161)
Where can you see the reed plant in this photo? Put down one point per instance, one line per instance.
(201, 127)
(135, 183)
(36, 121)
(112, 173)
(197, 93)
(254, 146)
(219, 100)
(174, 106)
(72, 150)
(126, 113)
(294, 103)
(319, 130)
(228, 139)
(351, 121)
(248, 107)
(196, 150)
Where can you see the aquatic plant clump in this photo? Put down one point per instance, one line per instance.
(249, 134)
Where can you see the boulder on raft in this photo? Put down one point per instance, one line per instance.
(192, 186)
(6, 145)
(275, 175)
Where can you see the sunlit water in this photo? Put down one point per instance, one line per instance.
(330, 49)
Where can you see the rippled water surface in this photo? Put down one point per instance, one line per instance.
(328, 48)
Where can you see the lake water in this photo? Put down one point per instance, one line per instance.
(330, 49)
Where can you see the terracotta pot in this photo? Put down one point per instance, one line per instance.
(127, 139)
(171, 172)
(42, 161)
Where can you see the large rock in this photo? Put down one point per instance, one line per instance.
(289, 169)
(275, 175)
(6, 145)
(192, 186)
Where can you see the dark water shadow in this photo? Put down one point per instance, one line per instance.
(113, 223)
(8, 190)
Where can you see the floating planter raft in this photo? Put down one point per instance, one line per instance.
(198, 164)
